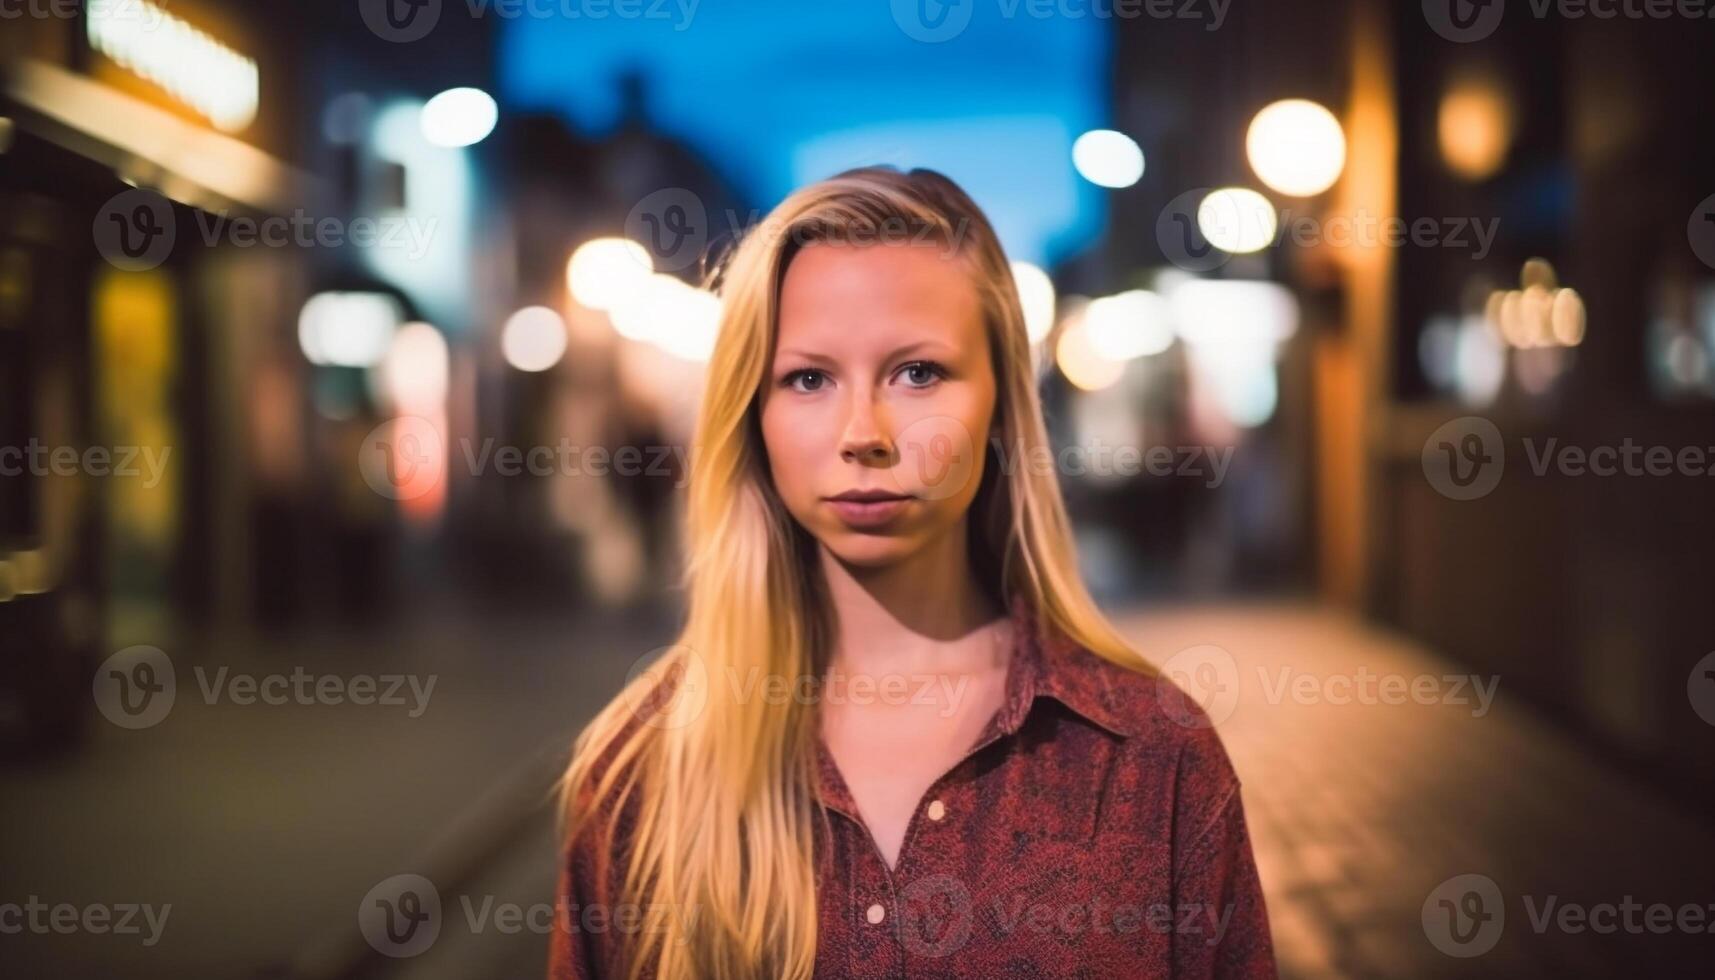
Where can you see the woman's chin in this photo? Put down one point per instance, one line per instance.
(869, 549)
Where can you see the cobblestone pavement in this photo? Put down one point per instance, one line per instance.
(1361, 809)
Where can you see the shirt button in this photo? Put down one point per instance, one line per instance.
(937, 810)
(875, 914)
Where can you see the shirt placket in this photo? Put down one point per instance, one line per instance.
(874, 906)
(877, 901)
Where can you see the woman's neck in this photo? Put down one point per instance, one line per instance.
(906, 616)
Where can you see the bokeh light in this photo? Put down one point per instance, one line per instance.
(1237, 220)
(1108, 158)
(1036, 295)
(607, 271)
(1296, 147)
(459, 117)
(534, 339)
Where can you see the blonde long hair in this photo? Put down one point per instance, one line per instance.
(724, 792)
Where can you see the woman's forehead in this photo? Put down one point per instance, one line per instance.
(853, 297)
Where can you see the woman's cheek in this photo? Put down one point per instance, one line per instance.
(938, 454)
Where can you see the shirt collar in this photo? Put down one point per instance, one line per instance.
(1046, 663)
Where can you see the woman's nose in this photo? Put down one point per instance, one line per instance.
(865, 439)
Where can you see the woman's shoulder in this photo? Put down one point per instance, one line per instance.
(1162, 723)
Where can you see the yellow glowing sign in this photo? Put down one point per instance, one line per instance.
(216, 81)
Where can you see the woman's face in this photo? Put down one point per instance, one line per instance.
(879, 399)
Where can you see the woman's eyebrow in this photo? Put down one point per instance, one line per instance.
(793, 353)
(928, 346)
(916, 347)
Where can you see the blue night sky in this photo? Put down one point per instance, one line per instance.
(780, 92)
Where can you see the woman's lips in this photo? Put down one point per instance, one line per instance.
(861, 515)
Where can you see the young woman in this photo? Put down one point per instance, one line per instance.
(896, 737)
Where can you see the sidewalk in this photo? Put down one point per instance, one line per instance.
(263, 826)
(1358, 811)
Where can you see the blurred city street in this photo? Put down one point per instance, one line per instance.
(352, 353)
(1359, 808)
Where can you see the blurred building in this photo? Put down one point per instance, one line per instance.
(122, 150)
(1553, 168)
(594, 525)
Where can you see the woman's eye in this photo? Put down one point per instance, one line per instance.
(804, 380)
(921, 374)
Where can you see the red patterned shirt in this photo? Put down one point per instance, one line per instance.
(1095, 830)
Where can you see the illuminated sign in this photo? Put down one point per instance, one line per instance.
(199, 71)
